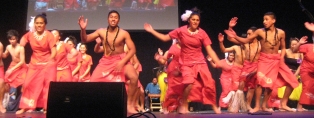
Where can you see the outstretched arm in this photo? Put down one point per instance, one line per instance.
(212, 54)
(250, 38)
(160, 36)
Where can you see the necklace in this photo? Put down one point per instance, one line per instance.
(39, 37)
(192, 33)
(275, 38)
(228, 62)
(114, 40)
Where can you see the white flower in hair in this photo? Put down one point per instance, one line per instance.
(186, 15)
(66, 39)
(226, 55)
(78, 46)
(31, 25)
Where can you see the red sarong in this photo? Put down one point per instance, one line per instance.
(225, 81)
(86, 62)
(249, 67)
(64, 73)
(307, 75)
(36, 95)
(17, 77)
(203, 86)
(105, 70)
(236, 72)
(274, 73)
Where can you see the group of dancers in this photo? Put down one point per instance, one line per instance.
(254, 63)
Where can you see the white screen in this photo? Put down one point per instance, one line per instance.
(64, 14)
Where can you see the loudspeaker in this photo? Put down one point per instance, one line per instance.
(87, 100)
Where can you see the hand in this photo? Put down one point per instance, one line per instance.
(303, 40)
(231, 33)
(148, 27)
(220, 37)
(98, 40)
(82, 23)
(81, 77)
(309, 26)
(119, 66)
(8, 72)
(233, 22)
(157, 56)
(160, 52)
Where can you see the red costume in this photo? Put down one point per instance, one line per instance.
(307, 74)
(249, 67)
(105, 70)
(236, 72)
(175, 86)
(87, 61)
(225, 80)
(41, 70)
(64, 73)
(194, 68)
(73, 62)
(17, 77)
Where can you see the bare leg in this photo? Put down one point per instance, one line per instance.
(183, 108)
(249, 97)
(284, 100)
(266, 97)
(2, 92)
(258, 93)
(300, 107)
(132, 75)
(142, 97)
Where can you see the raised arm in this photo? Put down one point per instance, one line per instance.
(160, 36)
(222, 46)
(84, 37)
(303, 40)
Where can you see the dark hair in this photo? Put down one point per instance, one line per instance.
(12, 33)
(43, 16)
(73, 39)
(253, 28)
(84, 45)
(271, 14)
(113, 11)
(294, 39)
(60, 34)
(195, 11)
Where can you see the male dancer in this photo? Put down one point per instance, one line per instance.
(270, 65)
(114, 64)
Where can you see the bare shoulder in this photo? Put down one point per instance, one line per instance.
(124, 32)
(21, 47)
(281, 32)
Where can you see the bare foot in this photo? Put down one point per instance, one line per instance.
(165, 111)
(256, 109)
(302, 109)
(267, 109)
(216, 110)
(181, 110)
(3, 110)
(288, 109)
(248, 107)
(29, 111)
(20, 111)
(131, 110)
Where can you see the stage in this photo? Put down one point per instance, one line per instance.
(200, 114)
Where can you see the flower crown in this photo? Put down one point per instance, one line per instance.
(186, 15)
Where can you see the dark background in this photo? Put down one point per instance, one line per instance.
(215, 17)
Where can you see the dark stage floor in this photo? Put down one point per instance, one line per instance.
(201, 114)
